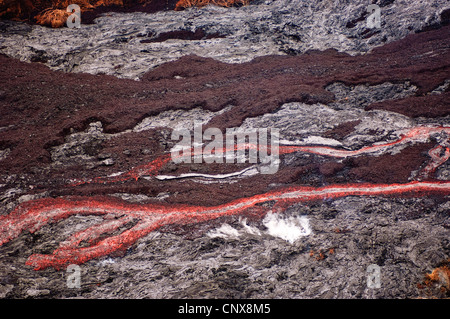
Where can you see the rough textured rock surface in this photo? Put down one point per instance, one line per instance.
(123, 44)
(87, 109)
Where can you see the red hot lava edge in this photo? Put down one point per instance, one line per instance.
(35, 214)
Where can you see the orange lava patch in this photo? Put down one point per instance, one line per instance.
(48, 12)
(439, 275)
(437, 283)
(53, 13)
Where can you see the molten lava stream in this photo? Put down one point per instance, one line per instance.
(146, 218)
(33, 215)
(416, 134)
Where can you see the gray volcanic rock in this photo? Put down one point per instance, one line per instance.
(128, 45)
(347, 236)
(321, 248)
(326, 264)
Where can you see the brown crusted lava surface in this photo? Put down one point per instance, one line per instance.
(41, 107)
(54, 133)
(427, 106)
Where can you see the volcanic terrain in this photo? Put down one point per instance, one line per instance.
(88, 177)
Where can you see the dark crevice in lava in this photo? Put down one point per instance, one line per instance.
(198, 34)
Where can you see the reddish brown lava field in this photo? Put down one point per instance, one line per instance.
(40, 107)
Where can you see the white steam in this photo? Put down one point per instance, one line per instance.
(224, 231)
(289, 228)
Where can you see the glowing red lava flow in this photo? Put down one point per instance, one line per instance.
(35, 214)
(147, 169)
(439, 155)
(124, 223)
(416, 134)
(421, 133)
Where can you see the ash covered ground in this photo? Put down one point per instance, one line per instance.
(83, 111)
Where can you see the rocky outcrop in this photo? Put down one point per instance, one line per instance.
(123, 44)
